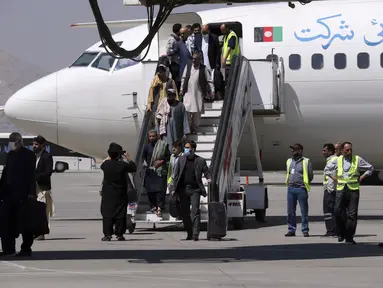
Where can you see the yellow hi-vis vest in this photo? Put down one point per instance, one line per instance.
(234, 51)
(305, 165)
(351, 177)
(325, 181)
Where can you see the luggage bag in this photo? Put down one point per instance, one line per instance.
(217, 224)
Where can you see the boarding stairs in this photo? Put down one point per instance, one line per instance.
(255, 88)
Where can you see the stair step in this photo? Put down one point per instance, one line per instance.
(204, 154)
(202, 137)
(207, 120)
(205, 146)
(208, 128)
(212, 113)
(216, 105)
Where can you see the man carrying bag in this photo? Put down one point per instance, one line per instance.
(18, 198)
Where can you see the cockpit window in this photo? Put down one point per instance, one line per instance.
(126, 62)
(85, 59)
(104, 62)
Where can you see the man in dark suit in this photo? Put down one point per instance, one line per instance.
(189, 186)
(208, 44)
(17, 185)
(44, 170)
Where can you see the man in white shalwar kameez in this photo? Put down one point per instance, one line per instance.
(196, 84)
(44, 170)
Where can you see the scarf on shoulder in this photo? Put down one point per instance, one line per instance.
(158, 154)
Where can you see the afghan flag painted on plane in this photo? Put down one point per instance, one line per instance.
(268, 34)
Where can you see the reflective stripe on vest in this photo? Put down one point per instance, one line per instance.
(305, 166)
(325, 181)
(351, 177)
(234, 51)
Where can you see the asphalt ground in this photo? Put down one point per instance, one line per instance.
(258, 256)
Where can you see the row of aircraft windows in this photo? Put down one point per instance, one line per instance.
(340, 61)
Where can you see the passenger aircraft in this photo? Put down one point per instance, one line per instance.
(333, 73)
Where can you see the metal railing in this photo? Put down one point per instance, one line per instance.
(218, 157)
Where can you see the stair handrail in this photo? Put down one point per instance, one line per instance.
(217, 157)
(138, 177)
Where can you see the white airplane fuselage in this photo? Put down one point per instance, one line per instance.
(85, 108)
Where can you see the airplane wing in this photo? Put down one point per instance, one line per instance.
(118, 23)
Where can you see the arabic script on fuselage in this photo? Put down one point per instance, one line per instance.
(374, 36)
(330, 28)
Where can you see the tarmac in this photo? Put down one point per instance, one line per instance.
(258, 256)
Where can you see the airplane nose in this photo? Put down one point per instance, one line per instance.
(34, 107)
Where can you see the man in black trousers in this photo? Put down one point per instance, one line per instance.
(189, 186)
(44, 170)
(17, 185)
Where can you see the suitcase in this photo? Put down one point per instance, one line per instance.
(33, 218)
(217, 224)
(175, 207)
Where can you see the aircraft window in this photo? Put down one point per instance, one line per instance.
(125, 63)
(104, 62)
(340, 61)
(317, 61)
(363, 60)
(85, 59)
(295, 61)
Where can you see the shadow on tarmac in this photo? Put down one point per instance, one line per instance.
(303, 251)
(271, 221)
(63, 239)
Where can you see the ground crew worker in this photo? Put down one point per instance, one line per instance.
(338, 150)
(329, 193)
(298, 179)
(229, 49)
(347, 190)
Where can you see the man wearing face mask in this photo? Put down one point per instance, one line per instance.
(17, 185)
(187, 183)
(172, 119)
(44, 170)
